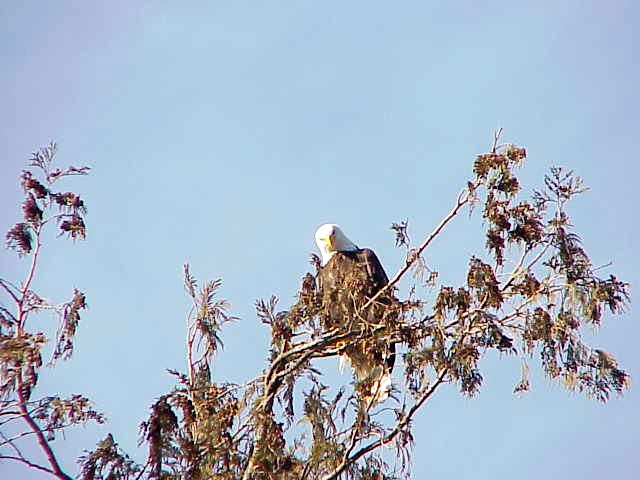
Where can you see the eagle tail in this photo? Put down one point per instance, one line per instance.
(381, 388)
(344, 359)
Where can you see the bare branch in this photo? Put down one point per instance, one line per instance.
(7, 441)
(42, 441)
(31, 465)
(464, 198)
(5, 286)
(406, 419)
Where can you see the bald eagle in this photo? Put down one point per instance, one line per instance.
(349, 276)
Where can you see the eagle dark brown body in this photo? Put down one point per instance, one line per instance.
(347, 282)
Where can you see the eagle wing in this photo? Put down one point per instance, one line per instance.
(377, 275)
(346, 283)
(379, 280)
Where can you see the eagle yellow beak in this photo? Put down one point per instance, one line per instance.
(329, 242)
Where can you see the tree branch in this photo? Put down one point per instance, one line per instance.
(30, 464)
(34, 262)
(22, 313)
(464, 198)
(42, 441)
(9, 441)
(279, 368)
(346, 462)
(5, 286)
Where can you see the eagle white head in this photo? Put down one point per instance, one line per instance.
(331, 239)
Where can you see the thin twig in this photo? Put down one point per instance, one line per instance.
(42, 441)
(496, 137)
(11, 444)
(9, 441)
(5, 286)
(463, 199)
(517, 269)
(9, 314)
(32, 268)
(391, 435)
(30, 464)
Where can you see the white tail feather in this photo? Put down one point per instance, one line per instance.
(373, 374)
(343, 361)
(381, 389)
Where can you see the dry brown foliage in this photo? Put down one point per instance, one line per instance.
(529, 296)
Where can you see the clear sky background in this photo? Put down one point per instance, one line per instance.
(223, 133)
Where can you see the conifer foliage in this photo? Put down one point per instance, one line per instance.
(23, 330)
(529, 295)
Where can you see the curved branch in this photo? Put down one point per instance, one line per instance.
(346, 462)
(42, 441)
(28, 464)
(9, 441)
(463, 199)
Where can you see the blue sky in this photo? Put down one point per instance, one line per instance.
(223, 133)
